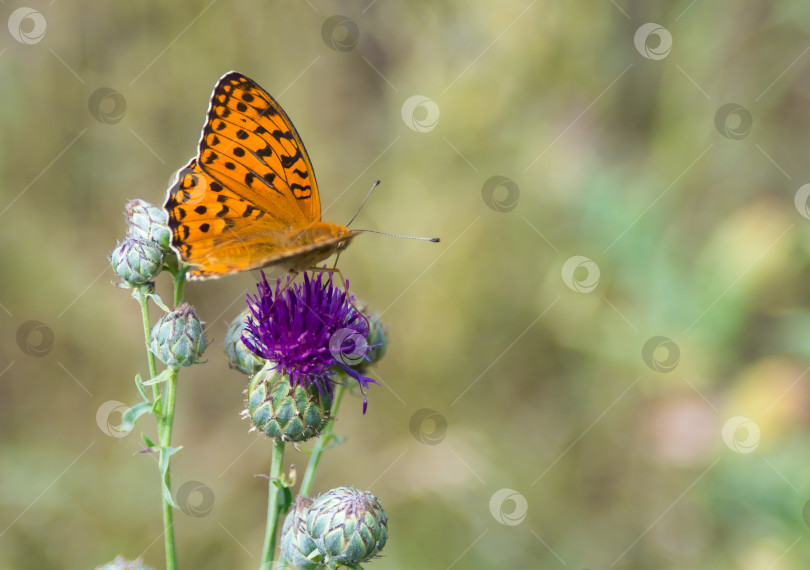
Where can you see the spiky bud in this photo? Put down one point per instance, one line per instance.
(377, 338)
(291, 412)
(297, 546)
(121, 563)
(136, 261)
(348, 526)
(147, 221)
(239, 356)
(178, 338)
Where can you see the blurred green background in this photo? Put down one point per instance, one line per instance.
(611, 340)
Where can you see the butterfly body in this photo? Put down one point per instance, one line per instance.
(249, 198)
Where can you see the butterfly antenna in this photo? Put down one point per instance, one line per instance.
(373, 186)
(420, 238)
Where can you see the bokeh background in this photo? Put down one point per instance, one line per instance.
(604, 363)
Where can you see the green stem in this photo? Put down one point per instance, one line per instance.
(273, 504)
(323, 441)
(165, 423)
(179, 282)
(165, 419)
(143, 299)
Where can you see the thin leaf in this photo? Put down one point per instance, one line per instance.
(162, 377)
(286, 501)
(163, 464)
(139, 386)
(130, 417)
(159, 302)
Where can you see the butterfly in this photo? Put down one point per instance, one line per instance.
(249, 198)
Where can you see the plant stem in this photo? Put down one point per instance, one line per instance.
(164, 413)
(323, 441)
(273, 504)
(165, 422)
(143, 299)
(179, 282)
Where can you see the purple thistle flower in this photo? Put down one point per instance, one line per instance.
(307, 331)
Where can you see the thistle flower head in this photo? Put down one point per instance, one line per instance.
(178, 338)
(296, 544)
(377, 340)
(239, 356)
(348, 526)
(284, 410)
(147, 221)
(308, 331)
(136, 261)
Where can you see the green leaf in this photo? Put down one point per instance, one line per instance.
(286, 501)
(147, 441)
(132, 414)
(162, 377)
(159, 302)
(332, 440)
(139, 386)
(163, 464)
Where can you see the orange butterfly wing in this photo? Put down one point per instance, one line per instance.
(249, 198)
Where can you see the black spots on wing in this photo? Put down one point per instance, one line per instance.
(184, 231)
(223, 212)
(248, 98)
(205, 227)
(215, 140)
(248, 211)
(239, 151)
(230, 165)
(212, 158)
(221, 125)
(200, 210)
(269, 177)
(288, 161)
(302, 173)
(241, 107)
(216, 187)
(280, 135)
(222, 199)
(260, 130)
(249, 178)
(265, 152)
(242, 134)
(301, 192)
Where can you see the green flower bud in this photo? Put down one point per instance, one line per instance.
(291, 413)
(297, 546)
(239, 356)
(136, 261)
(348, 526)
(178, 338)
(147, 221)
(120, 563)
(377, 338)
